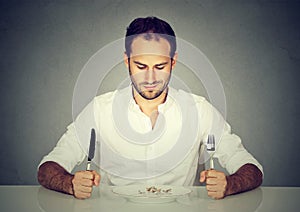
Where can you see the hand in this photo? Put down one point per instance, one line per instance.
(215, 183)
(83, 182)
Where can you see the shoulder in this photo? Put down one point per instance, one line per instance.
(105, 98)
(190, 98)
(108, 98)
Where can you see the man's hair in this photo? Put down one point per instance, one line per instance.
(151, 28)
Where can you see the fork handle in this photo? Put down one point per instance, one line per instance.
(211, 163)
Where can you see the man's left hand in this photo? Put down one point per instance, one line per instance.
(215, 183)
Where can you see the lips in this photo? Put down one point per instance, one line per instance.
(150, 87)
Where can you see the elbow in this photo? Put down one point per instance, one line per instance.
(259, 177)
(40, 176)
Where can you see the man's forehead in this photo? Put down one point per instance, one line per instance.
(142, 46)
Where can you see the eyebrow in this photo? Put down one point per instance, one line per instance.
(139, 63)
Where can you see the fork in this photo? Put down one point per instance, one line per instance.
(211, 147)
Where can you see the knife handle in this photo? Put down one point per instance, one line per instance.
(88, 166)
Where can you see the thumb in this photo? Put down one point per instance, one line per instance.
(97, 178)
(202, 176)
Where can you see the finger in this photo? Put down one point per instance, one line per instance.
(82, 195)
(216, 195)
(82, 192)
(88, 175)
(216, 174)
(212, 188)
(211, 181)
(80, 180)
(84, 174)
(85, 189)
(97, 178)
(86, 182)
(83, 183)
(202, 176)
(211, 173)
(212, 194)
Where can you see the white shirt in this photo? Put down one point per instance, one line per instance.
(72, 147)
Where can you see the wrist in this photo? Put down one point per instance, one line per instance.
(230, 185)
(69, 184)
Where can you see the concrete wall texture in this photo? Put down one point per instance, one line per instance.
(253, 45)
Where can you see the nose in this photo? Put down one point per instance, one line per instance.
(150, 76)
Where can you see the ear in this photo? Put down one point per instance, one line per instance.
(126, 60)
(174, 61)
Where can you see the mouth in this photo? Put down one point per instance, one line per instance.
(150, 87)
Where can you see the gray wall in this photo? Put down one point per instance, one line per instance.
(254, 46)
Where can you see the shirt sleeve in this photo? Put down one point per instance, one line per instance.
(230, 151)
(68, 153)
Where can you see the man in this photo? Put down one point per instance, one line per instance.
(150, 58)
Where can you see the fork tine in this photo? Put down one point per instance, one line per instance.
(210, 145)
(213, 143)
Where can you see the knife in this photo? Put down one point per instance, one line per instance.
(91, 149)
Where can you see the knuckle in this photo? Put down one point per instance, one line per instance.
(90, 174)
(78, 196)
(86, 174)
(82, 195)
(210, 194)
(90, 183)
(210, 181)
(78, 174)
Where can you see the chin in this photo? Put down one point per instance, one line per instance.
(150, 95)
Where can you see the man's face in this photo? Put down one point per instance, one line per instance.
(150, 66)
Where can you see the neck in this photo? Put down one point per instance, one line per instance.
(149, 106)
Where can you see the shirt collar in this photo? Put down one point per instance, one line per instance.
(162, 108)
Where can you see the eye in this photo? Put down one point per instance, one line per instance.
(141, 67)
(160, 67)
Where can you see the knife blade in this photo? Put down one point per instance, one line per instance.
(91, 149)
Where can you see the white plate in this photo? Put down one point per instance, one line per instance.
(138, 193)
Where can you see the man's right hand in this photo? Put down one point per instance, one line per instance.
(83, 182)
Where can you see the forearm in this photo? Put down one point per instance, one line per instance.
(246, 178)
(52, 176)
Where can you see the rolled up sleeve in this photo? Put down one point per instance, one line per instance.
(231, 153)
(67, 152)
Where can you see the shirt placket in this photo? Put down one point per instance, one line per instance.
(149, 150)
